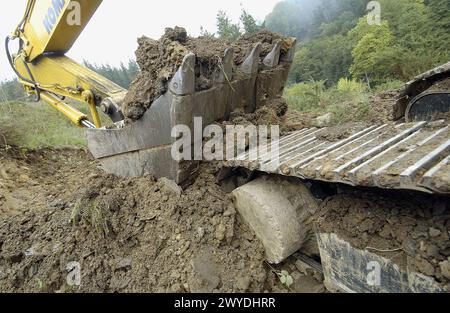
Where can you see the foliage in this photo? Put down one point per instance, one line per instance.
(11, 90)
(37, 125)
(306, 97)
(226, 29)
(285, 278)
(345, 85)
(327, 59)
(369, 55)
(249, 23)
(348, 100)
(388, 86)
(122, 75)
(337, 41)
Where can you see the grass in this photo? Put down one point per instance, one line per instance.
(348, 101)
(37, 125)
(93, 213)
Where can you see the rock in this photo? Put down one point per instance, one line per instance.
(243, 283)
(432, 251)
(386, 232)
(303, 268)
(306, 284)
(93, 176)
(435, 232)
(324, 120)
(118, 283)
(424, 267)
(279, 212)
(445, 269)
(231, 211)
(23, 178)
(200, 232)
(176, 288)
(410, 246)
(16, 257)
(221, 232)
(171, 186)
(205, 273)
(124, 263)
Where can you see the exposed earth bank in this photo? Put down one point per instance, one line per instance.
(127, 235)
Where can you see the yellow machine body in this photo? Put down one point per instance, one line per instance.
(47, 31)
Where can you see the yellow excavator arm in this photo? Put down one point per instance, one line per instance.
(47, 31)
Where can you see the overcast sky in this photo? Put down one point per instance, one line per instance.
(111, 35)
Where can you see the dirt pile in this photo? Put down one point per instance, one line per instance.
(160, 59)
(274, 113)
(414, 228)
(127, 235)
(384, 106)
(268, 39)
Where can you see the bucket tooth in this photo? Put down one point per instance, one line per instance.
(273, 58)
(289, 56)
(183, 82)
(251, 64)
(225, 71)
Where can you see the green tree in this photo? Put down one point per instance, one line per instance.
(369, 53)
(122, 75)
(205, 33)
(327, 59)
(11, 90)
(226, 29)
(249, 23)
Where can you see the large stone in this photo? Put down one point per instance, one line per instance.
(280, 211)
(171, 186)
(351, 270)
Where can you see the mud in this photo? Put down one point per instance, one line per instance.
(128, 235)
(268, 39)
(410, 229)
(340, 132)
(441, 85)
(160, 59)
(274, 113)
(385, 107)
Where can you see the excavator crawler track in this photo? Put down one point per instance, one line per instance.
(413, 156)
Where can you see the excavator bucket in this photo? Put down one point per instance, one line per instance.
(145, 146)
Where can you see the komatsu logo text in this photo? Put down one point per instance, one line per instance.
(52, 14)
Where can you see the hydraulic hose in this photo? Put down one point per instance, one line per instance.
(11, 63)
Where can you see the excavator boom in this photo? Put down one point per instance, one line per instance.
(47, 31)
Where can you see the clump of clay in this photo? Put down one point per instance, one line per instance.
(160, 59)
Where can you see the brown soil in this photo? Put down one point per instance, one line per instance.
(340, 132)
(274, 113)
(441, 85)
(414, 226)
(384, 105)
(268, 39)
(160, 59)
(129, 235)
